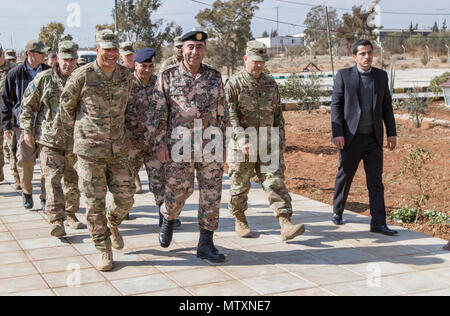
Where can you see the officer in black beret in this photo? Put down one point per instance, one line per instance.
(139, 121)
(197, 36)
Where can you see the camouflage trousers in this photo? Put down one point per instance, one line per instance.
(180, 185)
(55, 166)
(10, 148)
(155, 172)
(96, 176)
(272, 183)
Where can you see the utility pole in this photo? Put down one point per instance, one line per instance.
(448, 54)
(278, 19)
(329, 41)
(116, 18)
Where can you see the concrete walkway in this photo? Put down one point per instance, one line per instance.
(327, 260)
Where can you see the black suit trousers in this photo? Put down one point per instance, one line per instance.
(363, 147)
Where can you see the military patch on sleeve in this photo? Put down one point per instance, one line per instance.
(32, 87)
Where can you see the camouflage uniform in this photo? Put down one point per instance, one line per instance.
(10, 54)
(56, 157)
(140, 121)
(186, 98)
(93, 110)
(7, 66)
(256, 103)
(172, 61)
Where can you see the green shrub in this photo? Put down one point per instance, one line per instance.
(436, 217)
(416, 107)
(405, 215)
(306, 91)
(435, 84)
(414, 169)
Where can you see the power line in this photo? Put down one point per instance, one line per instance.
(384, 12)
(321, 29)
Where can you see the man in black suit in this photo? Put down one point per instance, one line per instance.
(361, 103)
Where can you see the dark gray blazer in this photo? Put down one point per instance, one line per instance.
(346, 109)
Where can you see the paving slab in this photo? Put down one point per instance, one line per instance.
(327, 260)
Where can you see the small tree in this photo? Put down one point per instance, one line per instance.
(414, 168)
(416, 107)
(101, 27)
(52, 33)
(306, 91)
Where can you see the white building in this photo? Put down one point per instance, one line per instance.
(282, 41)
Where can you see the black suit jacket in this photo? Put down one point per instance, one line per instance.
(346, 108)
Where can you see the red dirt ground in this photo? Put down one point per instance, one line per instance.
(312, 162)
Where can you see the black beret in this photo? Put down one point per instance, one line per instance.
(145, 55)
(195, 36)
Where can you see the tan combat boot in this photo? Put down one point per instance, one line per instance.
(288, 230)
(58, 229)
(105, 260)
(241, 226)
(2, 176)
(116, 238)
(137, 182)
(73, 222)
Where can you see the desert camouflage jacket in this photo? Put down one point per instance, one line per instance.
(255, 103)
(141, 119)
(183, 98)
(93, 110)
(40, 106)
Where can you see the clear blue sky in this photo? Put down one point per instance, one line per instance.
(20, 20)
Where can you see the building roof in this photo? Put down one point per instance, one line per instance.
(446, 84)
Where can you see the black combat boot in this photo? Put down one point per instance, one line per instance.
(166, 233)
(206, 249)
(177, 221)
(27, 200)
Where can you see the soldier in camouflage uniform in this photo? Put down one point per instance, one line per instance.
(191, 91)
(41, 100)
(10, 55)
(127, 59)
(93, 105)
(5, 66)
(254, 101)
(140, 121)
(177, 57)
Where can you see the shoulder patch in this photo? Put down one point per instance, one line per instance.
(32, 87)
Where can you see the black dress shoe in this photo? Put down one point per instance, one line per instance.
(27, 200)
(447, 247)
(166, 233)
(383, 230)
(206, 249)
(337, 219)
